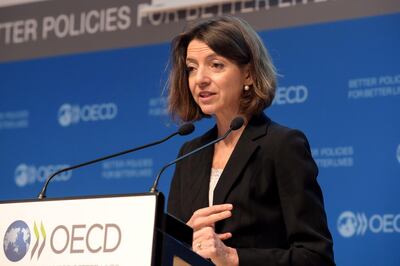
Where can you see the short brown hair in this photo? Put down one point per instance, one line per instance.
(235, 40)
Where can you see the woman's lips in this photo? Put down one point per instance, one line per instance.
(206, 94)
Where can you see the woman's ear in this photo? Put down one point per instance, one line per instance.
(248, 80)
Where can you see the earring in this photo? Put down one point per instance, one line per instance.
(246, 87)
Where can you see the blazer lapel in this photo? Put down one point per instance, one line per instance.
(245, 147)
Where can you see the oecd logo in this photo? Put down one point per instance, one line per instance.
(351, 224)
(16, 241)
(290, 95)
(28, 174)
(72, 114)
(63, 239)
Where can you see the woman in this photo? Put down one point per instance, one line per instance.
(253, 198)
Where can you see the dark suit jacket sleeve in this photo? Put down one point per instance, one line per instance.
(302, 209)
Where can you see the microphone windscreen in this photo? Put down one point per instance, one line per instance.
(186, 129)
(237, 123)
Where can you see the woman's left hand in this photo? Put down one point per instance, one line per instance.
(208, 244)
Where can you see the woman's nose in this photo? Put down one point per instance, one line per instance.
(202, 77)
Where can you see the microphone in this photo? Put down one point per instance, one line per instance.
(185, 129)
(235, 125)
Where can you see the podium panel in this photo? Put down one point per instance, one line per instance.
(102, 231)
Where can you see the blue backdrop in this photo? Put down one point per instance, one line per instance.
(339, 83)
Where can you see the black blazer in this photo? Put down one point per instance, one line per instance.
(278, 215)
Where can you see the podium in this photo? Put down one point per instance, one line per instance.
(116, 230)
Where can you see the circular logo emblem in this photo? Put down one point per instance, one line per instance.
(24, 175)
(68, 114)
(65, 115)
(17, 240)
(347, 224)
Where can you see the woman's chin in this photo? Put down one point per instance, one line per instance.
(208, 111)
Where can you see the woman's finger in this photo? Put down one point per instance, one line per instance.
(224, 236)
(210, 215)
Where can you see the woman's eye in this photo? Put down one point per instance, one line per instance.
(217, 65)
(189, 69)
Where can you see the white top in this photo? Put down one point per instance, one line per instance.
(215, 175)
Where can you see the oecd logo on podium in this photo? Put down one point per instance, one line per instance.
(63, 240)
(69, 114)
(16, 241)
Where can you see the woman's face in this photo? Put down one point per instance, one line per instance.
(216, 83)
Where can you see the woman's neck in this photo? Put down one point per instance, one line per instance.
(223, 125)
